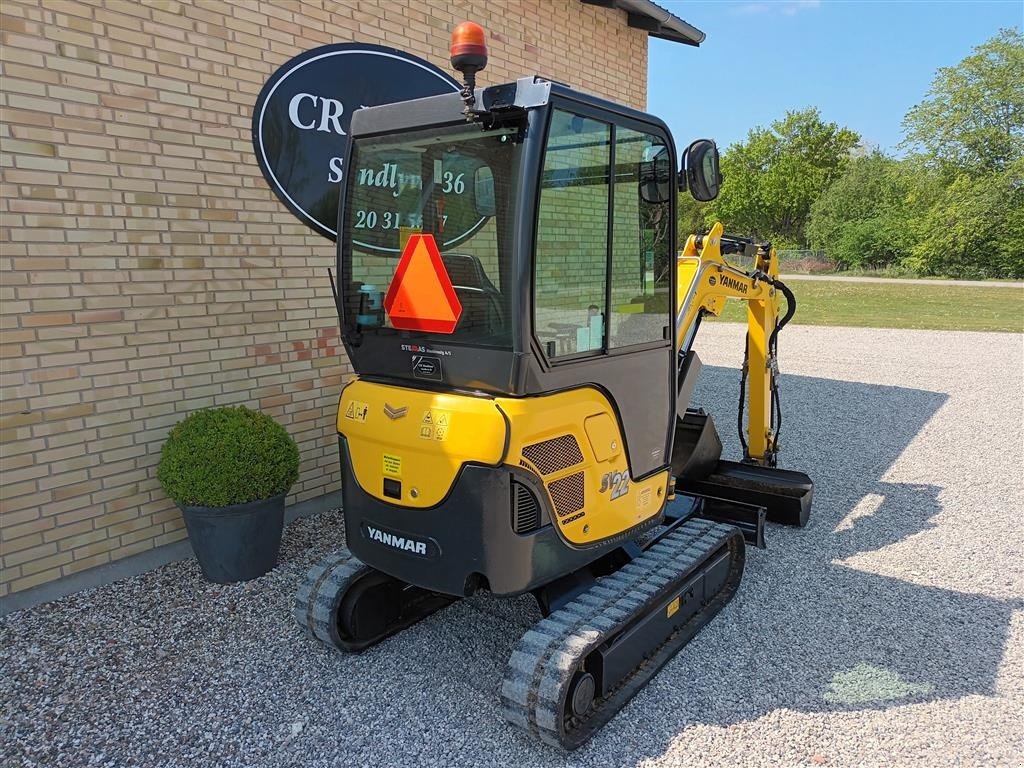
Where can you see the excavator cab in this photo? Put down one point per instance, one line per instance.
(554, 222)
(513, 302)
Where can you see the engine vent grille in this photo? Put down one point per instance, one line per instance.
(553, 455)
(526, 512)
(567, 494)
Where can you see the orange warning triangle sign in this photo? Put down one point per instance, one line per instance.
(421, 296)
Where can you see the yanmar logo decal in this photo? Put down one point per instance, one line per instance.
(400, 541)
(736, 285)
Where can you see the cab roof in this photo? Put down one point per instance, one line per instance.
(524, 93)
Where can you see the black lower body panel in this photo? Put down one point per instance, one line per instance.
(465, 543)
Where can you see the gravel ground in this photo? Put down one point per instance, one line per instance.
(889, 632)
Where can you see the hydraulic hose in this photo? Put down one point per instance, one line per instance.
(776, 405)
(743, 393)
(790, 307)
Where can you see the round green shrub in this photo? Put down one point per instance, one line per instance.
(223, 456)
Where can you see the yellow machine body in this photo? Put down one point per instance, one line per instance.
(571, 441)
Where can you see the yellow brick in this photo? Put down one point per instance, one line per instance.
(96, 548)
(35, 580)
(46, 563)
(25, 542)
(38, 525)
(85, 563)
(170, 537)
(25, 555)
(133, 548)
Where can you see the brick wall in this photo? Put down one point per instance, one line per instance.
(146, 268)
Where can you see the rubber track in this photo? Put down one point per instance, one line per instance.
(543, 663)
(325, 585)
(316, 598)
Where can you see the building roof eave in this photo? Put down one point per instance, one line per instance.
(657, 21)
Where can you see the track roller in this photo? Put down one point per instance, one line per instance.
(346, 604)
(577, 667)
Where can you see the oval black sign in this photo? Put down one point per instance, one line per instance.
(387, 191)
(300, 125)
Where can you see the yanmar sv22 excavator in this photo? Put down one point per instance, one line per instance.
(512, 298)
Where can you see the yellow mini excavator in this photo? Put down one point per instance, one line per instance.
(514, 301)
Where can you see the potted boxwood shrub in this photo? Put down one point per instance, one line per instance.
(229, 470)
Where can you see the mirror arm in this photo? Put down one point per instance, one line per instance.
(681, 179)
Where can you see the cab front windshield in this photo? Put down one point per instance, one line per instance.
(456, 184)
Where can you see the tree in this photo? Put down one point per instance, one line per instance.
(972, 120)
(867, 217)
(690, 216)
(976, 228)
(971, 128)
(771, 179)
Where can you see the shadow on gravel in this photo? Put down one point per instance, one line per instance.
(808, 630)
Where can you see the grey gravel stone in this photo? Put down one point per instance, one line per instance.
(888, 632)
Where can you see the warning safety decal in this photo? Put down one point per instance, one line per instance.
(421, 296)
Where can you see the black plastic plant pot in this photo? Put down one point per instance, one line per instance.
(236, 543)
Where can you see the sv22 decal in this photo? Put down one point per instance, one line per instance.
(616, 482)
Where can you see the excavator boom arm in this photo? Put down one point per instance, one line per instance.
(706, 280)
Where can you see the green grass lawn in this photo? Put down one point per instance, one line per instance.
(892, 305)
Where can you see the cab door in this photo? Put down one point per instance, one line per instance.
(603, 272)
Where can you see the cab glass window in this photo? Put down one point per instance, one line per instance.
(456, 184)
(570, 273)
(641, 263)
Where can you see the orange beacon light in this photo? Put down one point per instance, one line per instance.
(468, 56)
(469, 49)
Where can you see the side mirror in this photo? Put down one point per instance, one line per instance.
(483, 191)
(701, 167)
(655, 175)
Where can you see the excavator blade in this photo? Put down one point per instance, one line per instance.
(785, 495)
(733, 489)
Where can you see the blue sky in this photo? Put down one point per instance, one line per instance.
(862, 63)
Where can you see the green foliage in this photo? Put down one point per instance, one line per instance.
(772, 179)
(690, 216)
(957, 208)
(972, 129)
(973, 118)
(976, 228)
(223, 456)
(861, 220)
